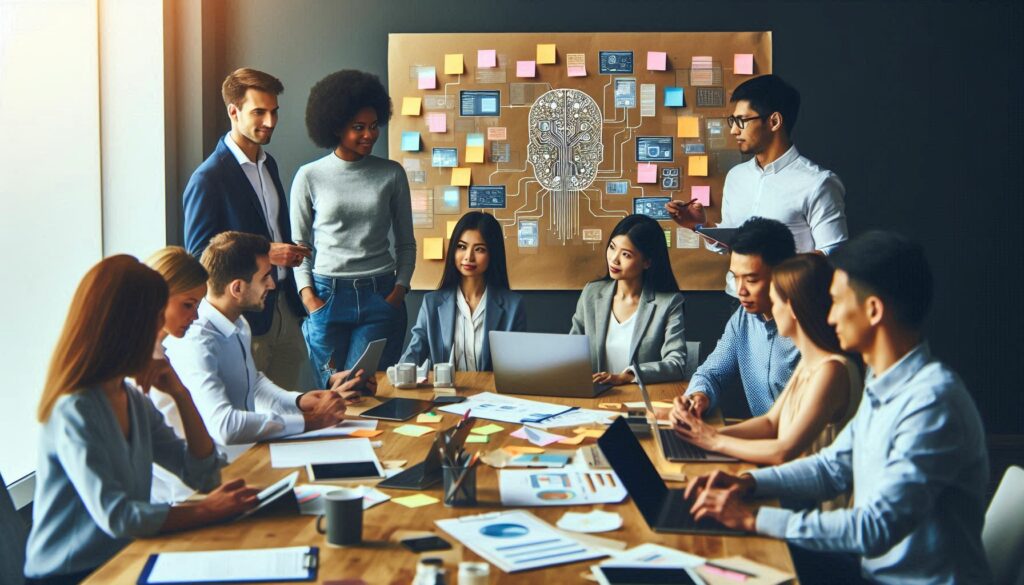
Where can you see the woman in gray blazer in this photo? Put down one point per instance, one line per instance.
(636, 310)
(472, 300)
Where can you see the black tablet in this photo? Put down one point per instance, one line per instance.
(722, 236)
(398, 409)
(643, 576)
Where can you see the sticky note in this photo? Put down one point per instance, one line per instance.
(577, 64)
(429, 418)
(475, 139)
(487, 430)
(453, 64)
(427, 78)
(656, 60)
(537, 436)
(546, 55)
(526, 69)
(743, 64)
(486, 58)
(702, 193)
(411, 106)
(675, 97)
(610, 405)
(415, 501)
(365, 433)
(461, 176)
(518, 450)
(646, 173)
(698, 166)
(573, 440)
(410, 141)
(450, 228)
(688, 127)
(497, 133)
(668, 238)
(437, 122)
(415, 430)
(474, 154)
(433, 248)
(592, 433)
(477, 439)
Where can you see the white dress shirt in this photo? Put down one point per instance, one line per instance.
(237, 402)
(469, 334)
(266, 192)
(616, 342)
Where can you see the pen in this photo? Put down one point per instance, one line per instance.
(728, 572)
(544, 418)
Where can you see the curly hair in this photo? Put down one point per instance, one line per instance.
(337, 98)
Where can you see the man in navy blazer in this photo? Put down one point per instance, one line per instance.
(238, 188)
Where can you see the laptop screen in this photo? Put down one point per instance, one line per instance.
(634, 468)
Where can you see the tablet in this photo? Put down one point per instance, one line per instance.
(723, 236)
(321, 472)
(633, 575)
(398, 409)
(369, 361)
(274, 492)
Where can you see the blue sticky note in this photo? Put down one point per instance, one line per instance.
(674, 97)
(474, 139)
(411, 141)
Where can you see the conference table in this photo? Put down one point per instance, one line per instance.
(381, 559)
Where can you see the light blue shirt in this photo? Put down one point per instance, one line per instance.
(238, 403)
(93, 485)
(752, 350)
(915, 457)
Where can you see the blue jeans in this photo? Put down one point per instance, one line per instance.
(354, 314)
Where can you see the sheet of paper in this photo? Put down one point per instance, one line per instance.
(311, 501)
(437, 122)
(345, 428)
(701, 193)
(492, 406)
(698, 166)
(656, 60)
(487, 429)
(453, 64)
(653, 555)
(537, 436)
(411, 106)
(478, 439)
(429, 418)
(646, 173)
(765, 575)
(687, 239)
(410, 141)
(450, 227)
(576, 64)
(675, 97)
(461, 176)
(497, 133)
(517, 540)
(546, 54)
(416, 500)
(413, 430)
(688, 127)
(486, 58)
(433, 248)
(526, 69)
(427, 78)
(743, 64)
(301, 453)
(655, 403)
(562, 487)
(572, 418)
(474, 154)
(266, 564)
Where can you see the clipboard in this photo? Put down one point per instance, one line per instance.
(229, 566)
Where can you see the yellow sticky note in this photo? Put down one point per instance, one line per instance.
(592, 433)
(411, 106)
(546, 55)
(487, 430)
(610, 405)
(451, 227)
(433, 249)
(415, 501)
(429, 418)
(520, 450)
(689, 127)
(660, 404)
(477, 439)
(573, 440)
(698, 166)
(453, 64)
(413, 430)
(474, 154)
(461, 176)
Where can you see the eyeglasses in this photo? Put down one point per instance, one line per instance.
(742, 122)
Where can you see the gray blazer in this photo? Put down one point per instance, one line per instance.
(658, 341)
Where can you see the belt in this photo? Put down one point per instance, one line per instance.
(377, 283)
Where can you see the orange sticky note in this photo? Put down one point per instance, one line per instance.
(522, 450)
(461, 176)
(546, 55)
(689, 127)
(365, 433)
(433, 248)
(411, 106)
(610, 405)
(698, 166)
(573, 440)
(474, 154)
(453, 64)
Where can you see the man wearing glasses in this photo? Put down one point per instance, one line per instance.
(778, 183)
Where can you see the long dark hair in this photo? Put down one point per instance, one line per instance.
(490, 229)
(647, 235)
(803, 281)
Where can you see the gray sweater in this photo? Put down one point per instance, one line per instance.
(344, 211)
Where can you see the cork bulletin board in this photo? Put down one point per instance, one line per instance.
(560, 136)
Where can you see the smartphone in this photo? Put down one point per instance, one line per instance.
(421, 544)
(449, 399)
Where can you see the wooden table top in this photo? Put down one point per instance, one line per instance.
(380, 559)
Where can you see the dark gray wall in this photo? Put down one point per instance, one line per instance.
(916, 105)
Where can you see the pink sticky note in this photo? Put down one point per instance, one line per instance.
(646, 173)
(702, 193)
(486, 58)
(576, 71)
(427, 81)
(656, 60)
(437, 122)
(537, 436)
(743, 64)
(526, 69)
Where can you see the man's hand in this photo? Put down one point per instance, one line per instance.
(727, 507)
(743, 483)
(310, 300)
(229, 500)
(354, 389)
(322, 408)
(696, 404)
(687, 213)
(397, 296)
(288, 255)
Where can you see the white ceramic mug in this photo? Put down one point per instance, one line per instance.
(443, 374)
(405, 373)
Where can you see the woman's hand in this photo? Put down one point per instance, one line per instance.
(159, 374)
(613, 379)
(396, 297)
(695, 430)
(229, 500)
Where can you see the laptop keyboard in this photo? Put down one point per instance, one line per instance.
(675, 448)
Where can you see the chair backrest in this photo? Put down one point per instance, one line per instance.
(12, 540)
(1003, 534)
(692, 358)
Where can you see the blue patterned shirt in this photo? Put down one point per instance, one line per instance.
(752, 350)
(915, 457)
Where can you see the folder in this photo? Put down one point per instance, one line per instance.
(297, 563)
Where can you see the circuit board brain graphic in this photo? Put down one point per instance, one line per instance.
(565, 146)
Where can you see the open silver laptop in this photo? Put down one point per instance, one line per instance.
(543, 364)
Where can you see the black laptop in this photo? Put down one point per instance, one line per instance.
(663, 509)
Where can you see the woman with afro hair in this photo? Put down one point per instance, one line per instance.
(343, 207)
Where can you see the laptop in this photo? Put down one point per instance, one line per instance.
(543, 364)
(672, 446)
(664, 509)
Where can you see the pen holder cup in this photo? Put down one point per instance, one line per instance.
(459, 486)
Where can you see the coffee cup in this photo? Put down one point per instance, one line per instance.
(442, 374)
(343, 510)
(405, 373)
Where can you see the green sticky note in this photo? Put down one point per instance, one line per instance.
(478, 438)
(413, 430)
(415, 501)
(487, 430)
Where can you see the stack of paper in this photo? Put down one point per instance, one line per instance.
(300, 454)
